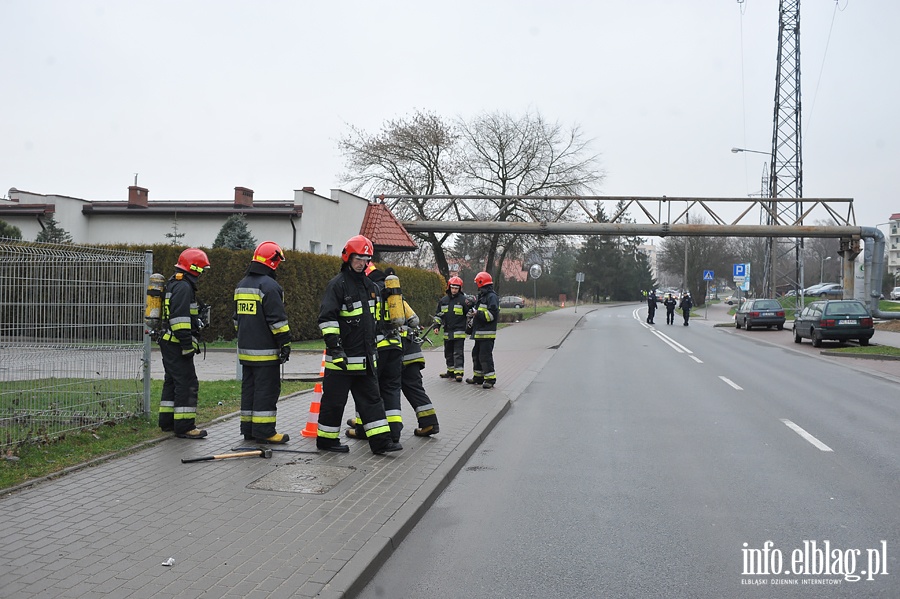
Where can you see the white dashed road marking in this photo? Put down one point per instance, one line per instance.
(732, 383)
(797, 429)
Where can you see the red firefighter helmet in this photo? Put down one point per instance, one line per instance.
(455, 281)
(269, 253)
(483, 278)
(358, 244)
(193, 260)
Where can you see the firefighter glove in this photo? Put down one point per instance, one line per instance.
(339, 358)
(332, 341)
(285, 354)
(190, 349)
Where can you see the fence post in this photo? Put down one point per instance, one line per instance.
(148, 270)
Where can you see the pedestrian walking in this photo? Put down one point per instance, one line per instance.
(484, 317)
(670, 305)
(263, 343)
(651, 307)
(347, 321)
(686, 304)
(451, 314)
(178, 345)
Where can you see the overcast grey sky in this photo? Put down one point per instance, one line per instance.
(201, 96)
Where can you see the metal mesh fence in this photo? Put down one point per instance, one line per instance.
(71, 338)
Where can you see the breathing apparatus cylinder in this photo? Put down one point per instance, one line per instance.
(153, 309)
(394, 300)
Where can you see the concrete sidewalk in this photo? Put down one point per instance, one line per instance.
(297, 525)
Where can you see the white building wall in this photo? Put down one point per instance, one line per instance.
(329, 222)
(198, 230)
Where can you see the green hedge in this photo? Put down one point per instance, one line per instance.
(303, 276)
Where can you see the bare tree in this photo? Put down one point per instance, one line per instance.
(415, 156)
(494, 154)
(525, 156)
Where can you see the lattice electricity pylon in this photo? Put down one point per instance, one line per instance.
(786, 174)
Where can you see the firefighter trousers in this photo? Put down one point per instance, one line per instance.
(178, 403)
(415, 394)
(364, 388)
(260, 388)
(483, 361)
(455, 355)
(390, 365)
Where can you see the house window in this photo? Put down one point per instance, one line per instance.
(329, 249)
(314, 247)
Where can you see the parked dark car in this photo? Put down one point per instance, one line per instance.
(512, 301)
(759, 313)
(835, 320)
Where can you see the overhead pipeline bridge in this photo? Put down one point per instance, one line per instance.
(654, 217)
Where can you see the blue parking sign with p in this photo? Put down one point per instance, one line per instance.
(740, 270)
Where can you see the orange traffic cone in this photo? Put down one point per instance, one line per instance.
(312, 423)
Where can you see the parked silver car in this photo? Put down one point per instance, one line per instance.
(512, 301)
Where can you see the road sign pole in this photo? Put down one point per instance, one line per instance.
(706, 303)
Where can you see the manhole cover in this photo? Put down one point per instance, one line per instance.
(302, 478)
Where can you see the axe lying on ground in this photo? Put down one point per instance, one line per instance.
(260, 453)
(277, 449)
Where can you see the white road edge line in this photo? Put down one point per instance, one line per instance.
(696, 359)
(732, 383)
(797, 429)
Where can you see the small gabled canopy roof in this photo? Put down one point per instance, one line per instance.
(385, 231)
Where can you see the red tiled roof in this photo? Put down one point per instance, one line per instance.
(895, 216)
(385, 231)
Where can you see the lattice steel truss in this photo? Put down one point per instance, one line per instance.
(71, 338)
(786, 174)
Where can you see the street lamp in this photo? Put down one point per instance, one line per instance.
(822, 269)
(736, 150)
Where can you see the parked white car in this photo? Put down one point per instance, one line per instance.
(895, 293)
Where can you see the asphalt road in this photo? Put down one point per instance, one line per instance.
(658, 462)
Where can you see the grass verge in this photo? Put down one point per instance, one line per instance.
(869, 350)
(48, 456)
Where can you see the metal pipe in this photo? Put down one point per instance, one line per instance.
(874, 269)
(629, 229)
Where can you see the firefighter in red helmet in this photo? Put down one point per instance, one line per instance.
(179, 343)
(347, 321)
(451, 314)
(264, 343)
(484, 330)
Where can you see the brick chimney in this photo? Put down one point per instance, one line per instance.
(243, 197)
(309, 189)
(137, 197)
